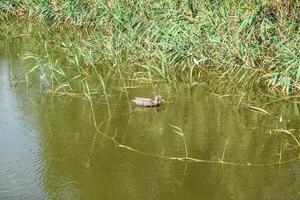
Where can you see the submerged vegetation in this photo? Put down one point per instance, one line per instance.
(251, 43)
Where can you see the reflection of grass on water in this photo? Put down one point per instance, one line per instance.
(253, 43)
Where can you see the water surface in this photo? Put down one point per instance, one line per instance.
(50, 148)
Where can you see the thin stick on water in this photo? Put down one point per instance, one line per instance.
(186, 158)
(105, 94)
(103, 86)
(125, 88)
(223, 154)
(280, 154)
(185, 146)
(288, 132)
(240, 100)
(180, 132)
(291, 134)
(184, 173)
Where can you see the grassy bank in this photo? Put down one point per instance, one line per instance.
(251, 43)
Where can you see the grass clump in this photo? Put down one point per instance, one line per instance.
(251, 42)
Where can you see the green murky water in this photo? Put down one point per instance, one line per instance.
(50, 148)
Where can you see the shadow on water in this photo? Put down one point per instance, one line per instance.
(50, 148)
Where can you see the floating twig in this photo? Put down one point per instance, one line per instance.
(256, 109)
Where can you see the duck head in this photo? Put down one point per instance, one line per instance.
(158, 99)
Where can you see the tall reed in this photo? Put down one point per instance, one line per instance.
(251, 42)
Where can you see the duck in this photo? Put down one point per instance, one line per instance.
(147, 102)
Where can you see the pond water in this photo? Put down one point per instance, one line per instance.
(50, 147)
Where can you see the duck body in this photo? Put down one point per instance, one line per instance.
(147, 102)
